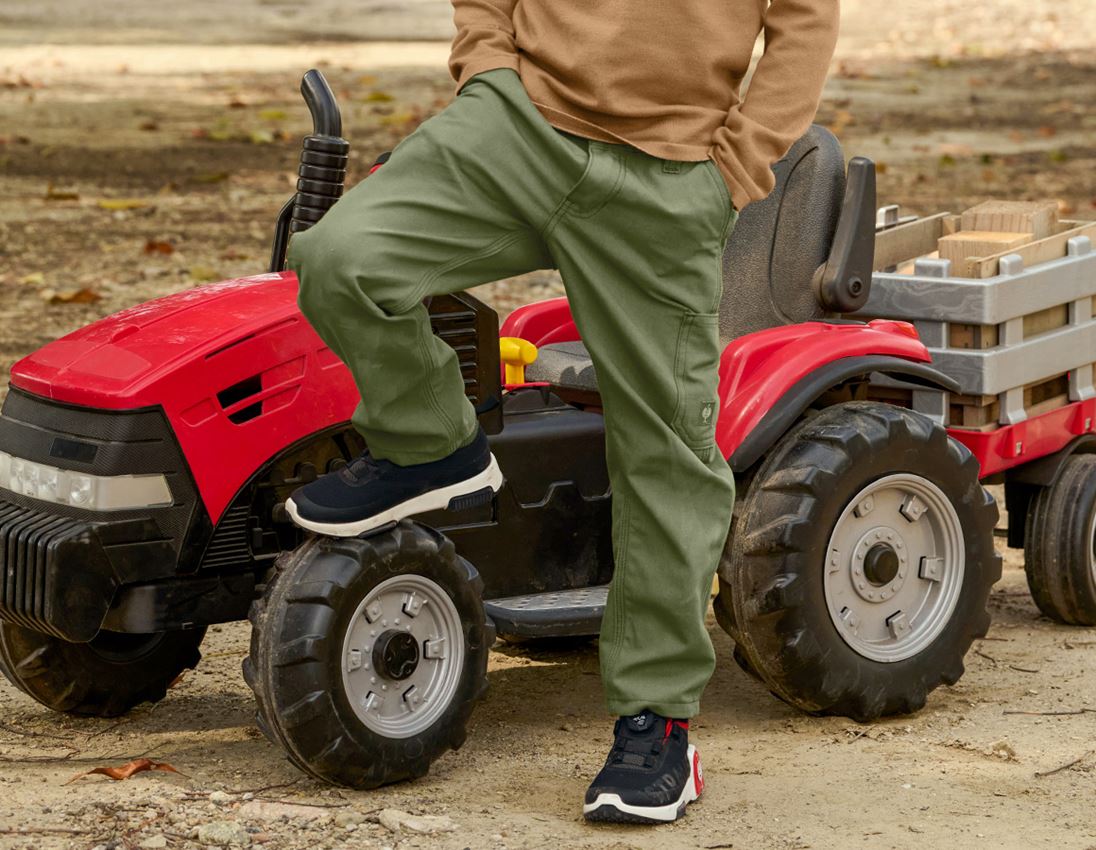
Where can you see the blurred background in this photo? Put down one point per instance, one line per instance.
(146, 147)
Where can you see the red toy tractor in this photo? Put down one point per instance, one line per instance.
(145, 461)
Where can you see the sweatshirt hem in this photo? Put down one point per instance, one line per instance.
(487, 63)
(580, 127)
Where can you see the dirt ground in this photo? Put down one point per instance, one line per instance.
(145, 149)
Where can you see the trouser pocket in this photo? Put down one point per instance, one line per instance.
(730, 214)
(696, 377)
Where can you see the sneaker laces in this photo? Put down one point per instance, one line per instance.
(364, 467)
(641, 747)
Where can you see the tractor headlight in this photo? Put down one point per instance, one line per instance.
(80, 489)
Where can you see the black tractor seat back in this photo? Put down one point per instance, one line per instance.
(779, 242)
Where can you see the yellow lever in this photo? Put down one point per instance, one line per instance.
(516, 353)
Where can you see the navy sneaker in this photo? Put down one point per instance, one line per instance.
(368, 493)
(651, 775)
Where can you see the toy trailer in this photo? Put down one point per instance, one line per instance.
(1016, 329)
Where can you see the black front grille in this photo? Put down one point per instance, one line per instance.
(32, 545)
(229, 546)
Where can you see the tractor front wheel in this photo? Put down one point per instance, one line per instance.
(369, 654)
(103, 678)
(861, 564)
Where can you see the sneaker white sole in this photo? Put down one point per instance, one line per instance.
(609, 807)
(430, 501)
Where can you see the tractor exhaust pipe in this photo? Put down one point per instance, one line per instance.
(322, 171)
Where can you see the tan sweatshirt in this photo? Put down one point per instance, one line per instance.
(662, 75)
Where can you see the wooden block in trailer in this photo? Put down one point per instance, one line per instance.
(967, 245)
(1036, 217)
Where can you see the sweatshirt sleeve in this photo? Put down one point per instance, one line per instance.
(782, 98)
(485, 38)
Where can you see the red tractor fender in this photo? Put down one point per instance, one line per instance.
(235, 367)
(769, 378)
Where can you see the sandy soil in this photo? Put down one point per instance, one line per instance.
(111, 102)
(968, 771)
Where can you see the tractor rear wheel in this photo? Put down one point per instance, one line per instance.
(1060, 544)
(103, 678)
(369, 654)
(861, 564)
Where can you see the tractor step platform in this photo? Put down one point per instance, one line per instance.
(556, 613)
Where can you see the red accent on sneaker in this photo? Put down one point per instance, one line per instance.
(670, 724)
(698, 773)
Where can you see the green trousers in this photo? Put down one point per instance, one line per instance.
(488, 189)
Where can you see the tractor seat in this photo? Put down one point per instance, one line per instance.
(771, 256)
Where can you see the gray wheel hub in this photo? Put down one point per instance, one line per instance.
(894, 567)
(403, 655)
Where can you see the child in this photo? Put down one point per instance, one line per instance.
(606, 139)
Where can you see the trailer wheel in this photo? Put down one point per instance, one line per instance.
(1060, 544)
(369, 654)
(861, 564)
(103, 678)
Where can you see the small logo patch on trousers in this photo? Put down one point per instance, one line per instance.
(707, 411)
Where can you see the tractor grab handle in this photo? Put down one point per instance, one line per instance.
(326, 118)
(322, 171)
(843, 282)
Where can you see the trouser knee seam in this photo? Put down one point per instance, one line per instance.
(425, 284)
(439, 411)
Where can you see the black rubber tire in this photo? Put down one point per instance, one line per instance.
(104, 678)
(294, 667)
(1059, 545)
(772, 600)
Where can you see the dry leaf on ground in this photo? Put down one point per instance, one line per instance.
(127, 770)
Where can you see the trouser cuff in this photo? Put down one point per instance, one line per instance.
(627, 708)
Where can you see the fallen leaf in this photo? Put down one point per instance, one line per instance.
(55, 194)
(377, 97)
(203, 274)
(122, 204)
(148, 125)
(83, 295)
(273, 114)
(33, 279)
(213, 177)
(237, 103)
(127, 770)
(398, 119)
(260, 137)
(154, 246)
(1048, 132)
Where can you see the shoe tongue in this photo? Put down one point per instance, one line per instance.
(642, 722)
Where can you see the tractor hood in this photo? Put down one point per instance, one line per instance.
(237, 370)
(119, 362)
